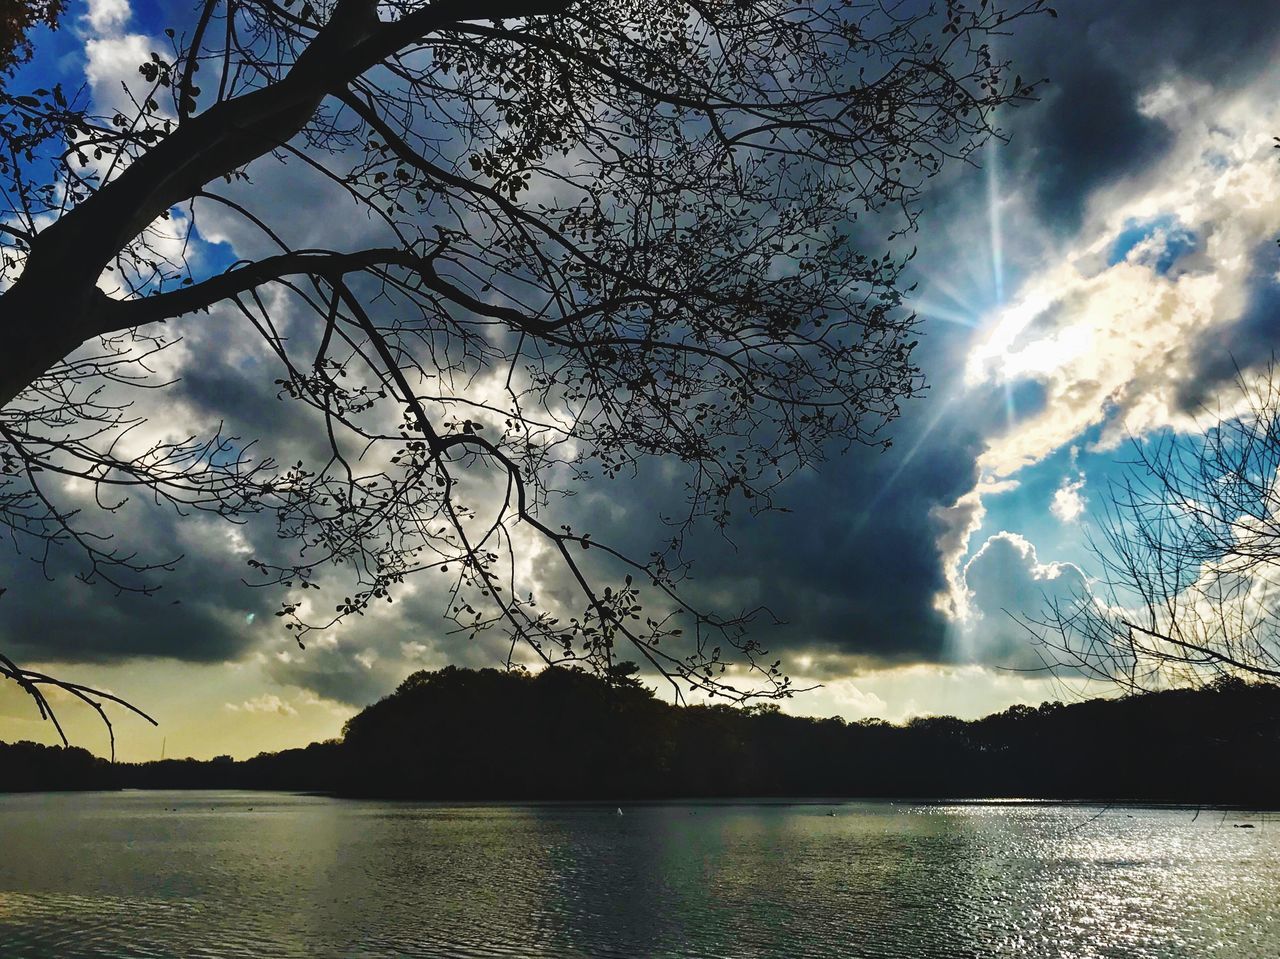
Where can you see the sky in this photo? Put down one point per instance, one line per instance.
(1093, 281)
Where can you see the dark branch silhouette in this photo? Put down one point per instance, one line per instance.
(1187, 552)
(17, 19)
(607, 232)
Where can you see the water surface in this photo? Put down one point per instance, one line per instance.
(223, 874)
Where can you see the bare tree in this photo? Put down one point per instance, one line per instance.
(609, 231)
(1188, 557)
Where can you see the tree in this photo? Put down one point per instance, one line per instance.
(606, 231)
(1188, 552)
(17, 17)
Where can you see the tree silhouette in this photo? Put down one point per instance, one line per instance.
(566, 734)
(607, 232)
(17, 17)
(1188, 551)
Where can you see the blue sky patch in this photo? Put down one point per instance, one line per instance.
(1172, 242)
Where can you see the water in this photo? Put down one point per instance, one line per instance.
(220, 874)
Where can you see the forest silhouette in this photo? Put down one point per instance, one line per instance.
(564, 734)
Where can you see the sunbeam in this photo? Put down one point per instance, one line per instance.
(993, 215)
(931, 311)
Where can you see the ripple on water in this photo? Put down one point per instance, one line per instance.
(237, 875)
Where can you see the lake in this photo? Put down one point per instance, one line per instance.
(225, 874)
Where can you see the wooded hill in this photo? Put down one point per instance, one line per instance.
(563, 734)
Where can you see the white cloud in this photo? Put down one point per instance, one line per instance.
(108, 16)
(897, 693)
(853, 702)
(113, 54)
(111, 63)
(1111, 329)
(266, 703)
(1005, 583)
(958, 523)
(1068, 503)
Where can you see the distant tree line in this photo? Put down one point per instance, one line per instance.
(567, 734)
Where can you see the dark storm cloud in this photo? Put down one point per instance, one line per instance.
(247, 401)
(202, 612)
(335, 675)
(1100, 56)
(858, 572)
(1088, 134)
(854, 569)
(851, 569)
(1252, 339)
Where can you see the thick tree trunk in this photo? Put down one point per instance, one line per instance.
(38, 327)
(55, 305)
(52, 308)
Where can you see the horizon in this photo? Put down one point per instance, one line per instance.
(97, 736)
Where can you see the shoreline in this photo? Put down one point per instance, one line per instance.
(719, 801)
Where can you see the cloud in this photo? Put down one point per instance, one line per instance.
(113, 55)
(1068, 504)
(853, 569)
(957, 525)
(108, 16)
(1100, 56)
(1068, 501)
(1112, 341)
(113, 65)
(852, 702)
(198, 615)
(266, 703)
(1006, 583)
(1138, 318)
